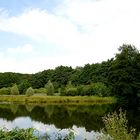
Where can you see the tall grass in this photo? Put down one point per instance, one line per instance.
(57, 99)
(116, 128)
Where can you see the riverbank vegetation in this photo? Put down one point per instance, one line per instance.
(37, 99)
(119, 77)
(116, 128)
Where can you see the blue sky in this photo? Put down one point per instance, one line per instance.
(40, 34)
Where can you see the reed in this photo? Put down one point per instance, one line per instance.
(57, 99)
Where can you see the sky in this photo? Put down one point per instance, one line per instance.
(36, 35)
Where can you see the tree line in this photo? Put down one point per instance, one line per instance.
(118, 76)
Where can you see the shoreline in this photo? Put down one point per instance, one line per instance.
(56, 99)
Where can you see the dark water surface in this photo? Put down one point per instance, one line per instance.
(85, 120)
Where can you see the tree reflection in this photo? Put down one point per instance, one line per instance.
(14, 108)
(62, 116)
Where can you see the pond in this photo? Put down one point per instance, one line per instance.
(84, 120)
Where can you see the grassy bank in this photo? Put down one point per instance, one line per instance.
(57, 99)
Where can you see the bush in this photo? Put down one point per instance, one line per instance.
(40, 91)
(98, 89)
(30, 91)
(50, 88)
(116, 127)
(5, 91)
(85, 90)
(23, 86)
(71, 92)
(14, 90)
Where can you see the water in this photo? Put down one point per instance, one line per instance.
(84, 120)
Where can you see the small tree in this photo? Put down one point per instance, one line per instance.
(69, 85)
(71, 92)
(14, 90)
(5, 91)
(30, 91)
(23, 86)
(50, 88)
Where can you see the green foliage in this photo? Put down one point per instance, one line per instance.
(71, 91)
(5, 91)
(69, 136)
(124, 75)
(83, 90)
(18, 134)
(7, 79)
(69, 85)
(14, 108)
(98, 89)
(50, 88)
(28, 134)
(14, 90)
(23, 86)
(30, 91)
(40, 91)
(116, 127)
(62, 75)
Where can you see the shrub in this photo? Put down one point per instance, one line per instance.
(40, 91)
(98, 89)
(62, 91)
(5, 91)
(30, 91)
(85, 90)
(80, 90)
(50, 88)
(23, 86)
(71, 91)
(14, 90)
(116, 126)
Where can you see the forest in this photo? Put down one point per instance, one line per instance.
(118, 76)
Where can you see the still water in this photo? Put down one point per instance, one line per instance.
(84, 120)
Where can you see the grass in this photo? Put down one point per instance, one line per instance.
(57, 99)
(116, 128)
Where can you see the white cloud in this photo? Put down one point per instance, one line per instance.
(90, 31)
(40, 25)
(26, 48)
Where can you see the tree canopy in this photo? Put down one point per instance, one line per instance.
(124, 74)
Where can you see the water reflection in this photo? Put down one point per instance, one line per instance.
(26, 122)
(86, 121)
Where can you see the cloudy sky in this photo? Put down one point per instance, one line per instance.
(40, 34)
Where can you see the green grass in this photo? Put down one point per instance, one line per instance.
(18, 134)
(57, 99)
